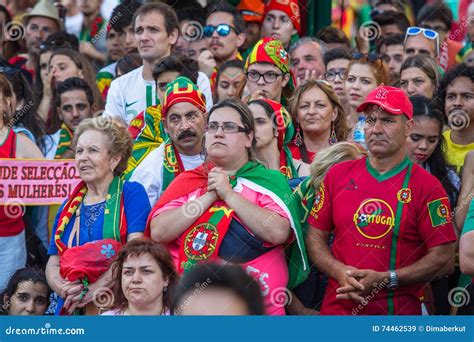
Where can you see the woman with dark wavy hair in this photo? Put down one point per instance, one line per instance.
(425, 145)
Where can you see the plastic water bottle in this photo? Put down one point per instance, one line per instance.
(359, 135)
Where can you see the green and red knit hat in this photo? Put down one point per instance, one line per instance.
(269, 50)
(182, 89)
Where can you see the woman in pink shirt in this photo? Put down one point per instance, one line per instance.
(232, 209)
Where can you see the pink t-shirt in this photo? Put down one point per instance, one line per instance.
(269, 269)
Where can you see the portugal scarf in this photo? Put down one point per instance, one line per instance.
(147, 134)
(115, 223)
(201, 241)
(172, 164)
(65, 139)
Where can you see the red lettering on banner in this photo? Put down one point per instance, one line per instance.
(37, 182)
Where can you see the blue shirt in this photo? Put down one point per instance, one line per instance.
(136, 206)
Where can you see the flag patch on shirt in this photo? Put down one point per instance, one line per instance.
(439, 212)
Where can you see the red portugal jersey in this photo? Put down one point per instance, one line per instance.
(381, 222)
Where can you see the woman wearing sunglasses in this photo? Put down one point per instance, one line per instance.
(419, 75)
(364, 74)
(232, 208)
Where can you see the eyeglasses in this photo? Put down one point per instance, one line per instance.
(371, 57)
(227, 127)
(268, 77)
(222, 30)
(331, 75)
(428, 33)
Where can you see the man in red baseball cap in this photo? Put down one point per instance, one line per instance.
(391, 220)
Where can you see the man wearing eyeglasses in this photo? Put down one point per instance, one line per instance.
(184, 117)
(268, 70)
(337, 63)
(225, 34)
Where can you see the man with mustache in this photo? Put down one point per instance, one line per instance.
(391, 220)
(224, 33)
(184, 117)
(456, 96)
(39, 24)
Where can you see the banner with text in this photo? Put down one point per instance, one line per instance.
(36, 182)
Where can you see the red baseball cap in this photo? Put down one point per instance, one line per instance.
(251, 10)
(393, 100)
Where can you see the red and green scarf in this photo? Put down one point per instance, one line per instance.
(172, 164)
(87, 33)
(115, 223)
(65, 139)
(201, 241)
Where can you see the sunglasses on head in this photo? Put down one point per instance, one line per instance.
(371, 57)
(428, 33)
(222, 30)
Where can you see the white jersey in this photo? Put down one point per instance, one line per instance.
(149, 172)
(131, 94)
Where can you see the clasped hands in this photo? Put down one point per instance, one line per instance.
(356, 284)
(218, 184)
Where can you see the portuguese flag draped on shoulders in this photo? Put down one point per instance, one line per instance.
(147, 133)
(201, 241)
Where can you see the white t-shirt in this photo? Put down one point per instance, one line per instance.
(50, 143)
(150, 171)
(131, 94)
(73, 24)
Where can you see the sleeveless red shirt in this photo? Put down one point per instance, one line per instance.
(11, 217)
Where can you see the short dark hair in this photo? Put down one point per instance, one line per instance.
(333, 35)
(337, 53)
(168, 13)
(194, 12)
(223, 6)
(74, 83)
(436, 11)
(233, 63)
(228, 277)
(393, 18)
(392, 39)
(122, 15)
(128, 63)
(59, 40)
(460, 70)
(184, 65)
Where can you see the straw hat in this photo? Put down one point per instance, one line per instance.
(44, 8)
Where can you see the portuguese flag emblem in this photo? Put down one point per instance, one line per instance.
(439, 212)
